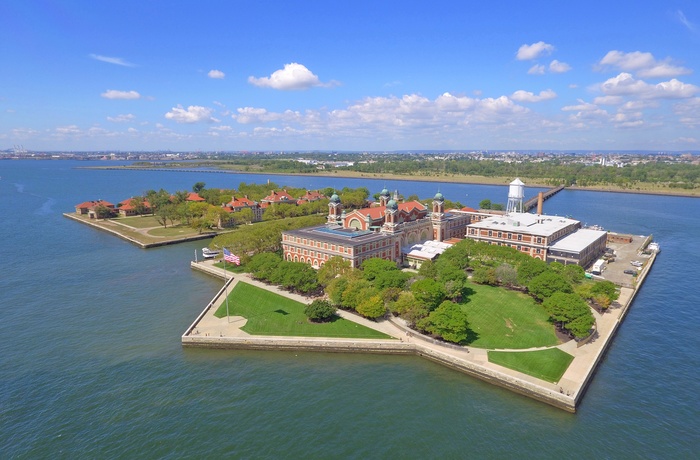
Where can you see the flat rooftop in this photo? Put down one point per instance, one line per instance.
(578, 241)
(336, 234)
(523, 222)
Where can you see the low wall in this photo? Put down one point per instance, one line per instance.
(326, 345)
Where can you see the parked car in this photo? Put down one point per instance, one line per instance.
(630, 272)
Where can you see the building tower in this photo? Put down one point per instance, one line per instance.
(335, 209)
(391, 216)
(516, 192)
(384, 197)
(438, 217)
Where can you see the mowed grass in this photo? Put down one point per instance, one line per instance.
(272, 314)
(548, 365)
(139, 221)
(179, 231)
(501, 318)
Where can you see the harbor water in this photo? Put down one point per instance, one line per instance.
(91, 364)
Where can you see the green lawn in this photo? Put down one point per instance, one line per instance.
(548, 365)
(501, 318)
(139, 221)
(173, 231)
(272, 314)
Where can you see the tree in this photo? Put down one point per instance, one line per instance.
(165, 213)
(103, 212)
(571, 311)
(507, 275)
(262, 265)
(391, 279)
(298, 276)
(447, 321)
(375, 266)
(372, 307)
(529, 269)
(547, 283)
(428, 269)
(485, 275)
(428, 292)
(319, 311)
(574, 273)
(356, 292)
(198, 187)
(485, 204)
(407, 307)
(138, 204)
(335, 266)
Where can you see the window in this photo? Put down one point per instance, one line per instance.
(520, 237)
(490, 233)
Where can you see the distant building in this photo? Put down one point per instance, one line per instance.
(238, 204)
(88, 207)
(125, 208)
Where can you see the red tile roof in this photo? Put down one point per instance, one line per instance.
(94, 203)
(194, 197)
(279, 197)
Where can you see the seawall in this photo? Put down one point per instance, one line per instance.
(471, 361)
(135, 241)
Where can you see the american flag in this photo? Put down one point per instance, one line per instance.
(231, 257)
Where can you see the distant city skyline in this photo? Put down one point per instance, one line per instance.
(443, 75)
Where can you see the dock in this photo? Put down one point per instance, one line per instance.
(532, 202)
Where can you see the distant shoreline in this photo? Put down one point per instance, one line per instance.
(474, 180)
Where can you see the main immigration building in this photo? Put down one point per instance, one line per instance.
(407, 232)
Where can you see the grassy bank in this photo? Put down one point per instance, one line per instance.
(548, 365)
(272, 314)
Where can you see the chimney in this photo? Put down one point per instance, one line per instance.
(540, 202)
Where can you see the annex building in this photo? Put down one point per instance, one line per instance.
(385, 231)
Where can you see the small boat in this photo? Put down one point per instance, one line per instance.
(654, 247)
(209, 253)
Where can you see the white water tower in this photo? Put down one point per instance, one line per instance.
(516, 192)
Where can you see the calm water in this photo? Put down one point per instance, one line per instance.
(91, 364)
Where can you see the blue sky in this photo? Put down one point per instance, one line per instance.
(349, 75)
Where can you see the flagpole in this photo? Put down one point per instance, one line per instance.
(228, 320)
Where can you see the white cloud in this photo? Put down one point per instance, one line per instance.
(536, 69)
(112, 60)
(529, 52)
(70, 129)
(193, 114)
(625, 84)
(292, 77)
(642, 64)
(683, 20)
(608, 100)
(115, 94)
(123, 118)
(527, 96)
(216, 74)
(559, 67)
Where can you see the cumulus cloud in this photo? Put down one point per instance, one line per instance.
(536, 69)
(123, 118)
(216, 74)
(112, 60)
(559, 67)
(115, 94)
(193, 114)
(625, 84)
(527, 96)
(642, 64)
(293, 76)
(529, 52)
